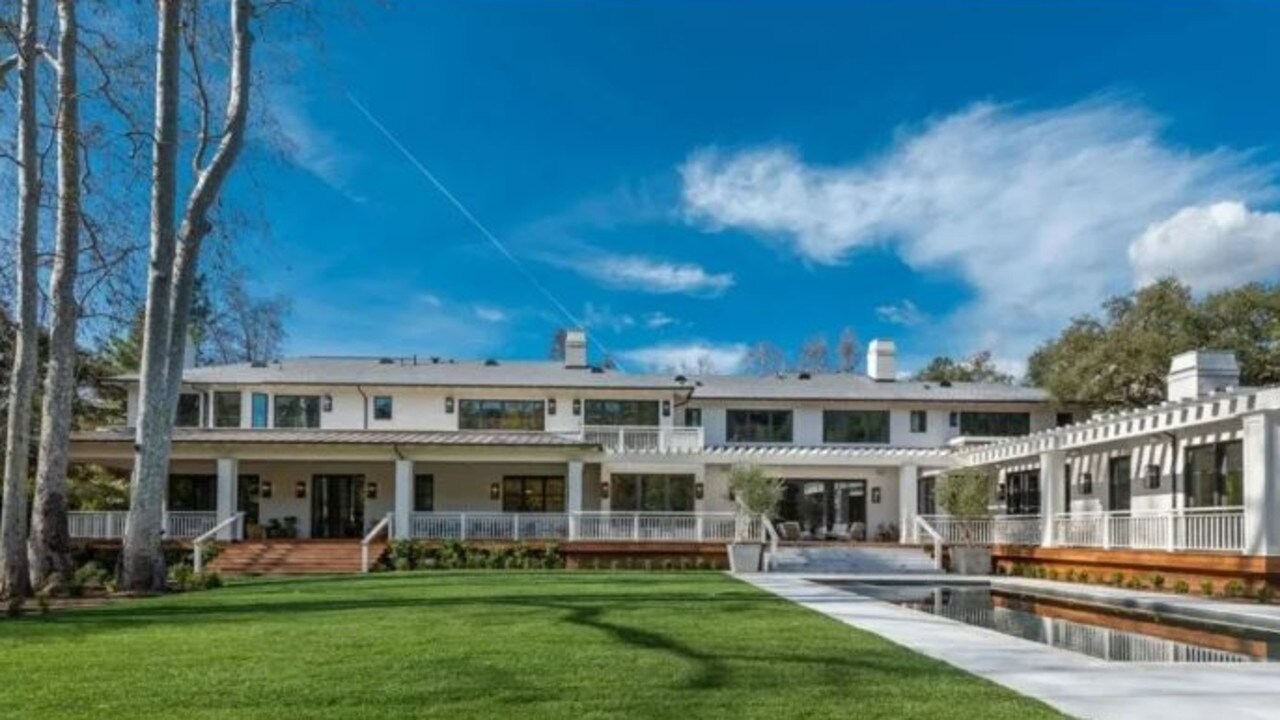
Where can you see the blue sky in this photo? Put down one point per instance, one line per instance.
(688, 178)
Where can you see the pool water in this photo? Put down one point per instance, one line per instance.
(1101, 633)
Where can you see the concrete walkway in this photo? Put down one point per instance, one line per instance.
(1075, 684)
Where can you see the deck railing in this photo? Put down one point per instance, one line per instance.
(109, 524)
(621, 439)
(998, 530)
(585, 526)
(1213, 529)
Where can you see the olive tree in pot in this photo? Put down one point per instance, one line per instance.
(966, 495)
(756, 494)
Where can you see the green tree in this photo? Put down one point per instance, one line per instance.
(977, 368)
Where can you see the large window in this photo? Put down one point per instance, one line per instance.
(995, 424)
(532, 494)
(191, 493)
(188, 410)
(259, 409)
(226, 409)
(502, 415)
(1022, 492)
(424, 493)
(855, 426)
(1215, 475)
(652, 493)
(297, 411)
(622, 412)
(759, 425)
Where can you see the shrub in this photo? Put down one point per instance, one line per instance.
(965, 495)
(1265, 593)
(1071, 575)
(180, 576)
(1181, 587)
(1053, 573)
(1135, 583)
(1084, 577)
(1117, 578)
(1157, 581)
(1206, 588)
(1234, 589)
(401, 564)
(209, 580)
(1041, 572)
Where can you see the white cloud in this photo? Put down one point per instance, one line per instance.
(903, 313)
(1210, 247)
(658, 320)
(1033, 210)
(490, 314)
(635, 272)
(309, 145)
(602, 317)
(688, 357)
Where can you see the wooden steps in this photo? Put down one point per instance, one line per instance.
(293, 557)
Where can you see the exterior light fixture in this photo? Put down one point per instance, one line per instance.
(875, 495)
(300, 489)
(448, 405)
(577, 406)
(495, 491)
(551, 406)
(327, 403)
(604, 490)
(666, 408)
(371, 490)
(698, 491)
(264, 490)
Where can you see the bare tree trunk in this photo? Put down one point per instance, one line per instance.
(142, 561)
(49, 533)
(14, 581)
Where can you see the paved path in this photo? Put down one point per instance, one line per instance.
(1073, 683)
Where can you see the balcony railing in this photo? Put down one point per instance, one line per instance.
(109, 524)
(622, 439)
(585, 526)
(999, 530)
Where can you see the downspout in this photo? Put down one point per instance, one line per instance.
(1173, 468)
(365, 406)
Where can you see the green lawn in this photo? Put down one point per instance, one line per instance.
(464, 645)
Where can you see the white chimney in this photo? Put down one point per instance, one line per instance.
(575, 349)
(1197, 373)
(880, 360)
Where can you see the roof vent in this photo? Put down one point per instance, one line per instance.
(945, 383)
(804, 376)
(435, 360)
(491, 363)
(386, 361)
(596, 369)
(681, 379)
(258, 364)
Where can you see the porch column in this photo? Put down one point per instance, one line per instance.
(1051, 479)
(908, 487)
(225, 497)
(404, 498)
(1261, 455)
(574, 482)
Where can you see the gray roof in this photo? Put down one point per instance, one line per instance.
(848, 386)
(345, 437)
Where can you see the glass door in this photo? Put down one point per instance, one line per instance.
(1119, 483)
(337, 506)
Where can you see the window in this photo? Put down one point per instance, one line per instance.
(532, 494)
(1022, 492)
(501, 415)
(297, 411)
(919, 421)
(855, 426)
(226, 409)
(953, 419)
(693, 417)
(994, 424)
(1120, 483)
(1215, 475)
(652, 493)
(1066, 487)
(259, 408)
(1063, 419)
(424, 493)
(759, 425)
(248, 493)
(622, 412)
(192, 493)
(926, 502)
(381, 407)
(188, 410)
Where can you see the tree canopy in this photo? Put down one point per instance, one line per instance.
(977, 368)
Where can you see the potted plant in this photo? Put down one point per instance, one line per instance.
(966, 495)
(756, 494)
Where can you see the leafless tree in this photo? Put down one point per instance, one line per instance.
(764, 358)
(814, 355)
(847, 350)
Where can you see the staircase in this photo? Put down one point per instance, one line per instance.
(853, 560)
(293, 557)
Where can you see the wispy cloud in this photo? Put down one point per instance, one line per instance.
(691, 357)
(902, 313)
(309, 145)
(636, 272)
(490, 314)
(1031, 209)
(601, 317)
(658, 320)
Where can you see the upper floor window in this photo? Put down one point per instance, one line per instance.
(502, 415)
(991, 424)
(382, 407)
(693, 417)
(188, 410)
(622, 412)
(855, 426)
(259, 410)
(919, 421)
(758, 425)
(297, 411)
(226, 409)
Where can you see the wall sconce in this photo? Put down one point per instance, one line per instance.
(327, 403)
(1000, 490)
(371, 490)
(448, 406)
(1153, 476)
(666, 408)
(495, 491)
(577, 406)
(551, 406)
(300, 489)
(1086, 483)
(264, 490)
(604, 490)
(875, 495)
(698, 491)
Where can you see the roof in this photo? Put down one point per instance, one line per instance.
(848, 386)
(345, 437)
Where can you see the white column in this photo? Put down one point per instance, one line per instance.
(228, 478)
(1261, 450)
(404, 498)
(908, 482)
(1051, 479)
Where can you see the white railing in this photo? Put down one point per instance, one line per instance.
(109, 524)
(382, 526)
(999, 530)
(621, 439)
(1214, 529)
(188, 524)
(922, 524)
(197, 545)
(587, 526)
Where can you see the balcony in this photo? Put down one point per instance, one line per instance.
(640, 439)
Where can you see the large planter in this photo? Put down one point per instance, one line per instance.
(971, 559)
(744, 557)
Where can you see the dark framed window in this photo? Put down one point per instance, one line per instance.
(1215, 475)
(995, 424)
(1120, 483)
(502, 415)
(193, 493)
(297, 411)
(652, 493)
(855, 426)
(226, 409)
(260, 409)
(1066, 487)
(188, 410)
(693, 417)
(953, 419)
(248, 493)
(382, 407)
(758, 425)
(424, 493)
(1022, 492)
(926, 503)
(919, 421)
(521, 493)
(622, 412)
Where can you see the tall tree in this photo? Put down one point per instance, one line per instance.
(14, 578)
(977, 368)
(764, 358)
(814, 355)
(175, 254)
(50, 540)
(847, 350)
